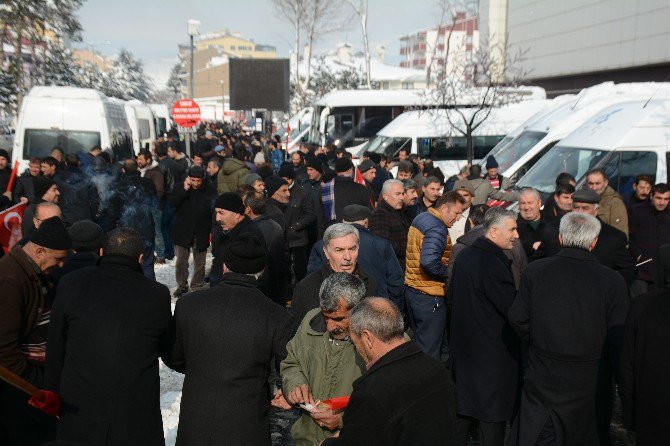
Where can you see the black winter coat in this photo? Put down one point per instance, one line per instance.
(484, 351)
(193, 216)
(649, 229)
(277, 262)
(136, 198)
(529, 235)
(406, 398)
(610, 249)
(171, 173)
(298, 215)
(376, 257)
(226, 337)
(645, 367)
(571, 312)
(24, 187)
(79, 198)
(313, 189)
(349, 192)
(306, 292)
(75, 261)
(109, 325)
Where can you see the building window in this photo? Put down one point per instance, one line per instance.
(407, 85)
(232, 47)
(385, 85)
(468, 40)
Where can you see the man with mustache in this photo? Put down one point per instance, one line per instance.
(321, 361)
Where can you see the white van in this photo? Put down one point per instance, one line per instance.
(300, 124)
(350, 118)
(429, 133)
(162, 120)
(74, 119)
(141, 121)
(537, 139)
(625, 140)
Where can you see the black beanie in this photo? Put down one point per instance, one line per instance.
(196, 172)
(287, 171)
(86, 235)
(264, 171)
(4, 154)
(52, 235)
(41, 185)
(230, 201)
(273, 183)
(245, 256)
(491, 162)
(343, 164)
(315, 163)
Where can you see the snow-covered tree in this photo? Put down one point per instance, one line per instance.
(174, 81)
(58, 68)
(7, 90)
(128, 80)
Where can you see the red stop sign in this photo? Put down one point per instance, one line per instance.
(186, 113)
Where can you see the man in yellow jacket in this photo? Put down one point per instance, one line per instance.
(428, 250)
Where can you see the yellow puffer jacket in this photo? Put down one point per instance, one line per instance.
(428, 251)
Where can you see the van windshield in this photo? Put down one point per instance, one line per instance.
(386, 145)
(573, 160)
(39, 142)
(508, 154)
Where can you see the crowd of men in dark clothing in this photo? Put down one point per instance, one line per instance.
(442, 315)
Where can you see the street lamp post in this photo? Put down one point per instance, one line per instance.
(223, 100)
(192, 29)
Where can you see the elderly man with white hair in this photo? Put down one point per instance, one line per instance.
(341, 242)
(571, 312)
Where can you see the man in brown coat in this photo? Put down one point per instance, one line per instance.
(25, 306)
(612, 209)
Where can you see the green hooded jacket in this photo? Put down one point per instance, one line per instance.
(232, 174)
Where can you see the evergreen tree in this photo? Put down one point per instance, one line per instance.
(7, 90)
(128, 78)
(174, 81)
(58, 67)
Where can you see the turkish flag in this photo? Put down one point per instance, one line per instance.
(10, 226)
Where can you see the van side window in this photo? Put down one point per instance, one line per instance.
(455, 148)
(121, 146)
(622, 167)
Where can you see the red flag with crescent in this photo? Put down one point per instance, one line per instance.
(10, 226)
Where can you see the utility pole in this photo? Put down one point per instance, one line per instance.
(192, 28)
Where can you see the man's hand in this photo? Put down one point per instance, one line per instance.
(300, 395)
(23, 200)
(326, 418)
(536, 245)
(187, 184)
(8, 194)
(280, 402)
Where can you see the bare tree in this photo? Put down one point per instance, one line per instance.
(477, 83)
(293, 11)
(360, 8)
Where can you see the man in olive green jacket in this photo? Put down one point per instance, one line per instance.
(322, 362)
(233, 173)
(612, 209)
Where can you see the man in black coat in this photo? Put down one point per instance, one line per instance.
(298, 216)
(484, 351)
(341, 242)
(79, 198)
(387, 220)
(571, 312)
(193, 216)
(375, 256)
(530, 223)
(347, 191)
(24, 187)
(405, 397)
(109, 325)
(171, 176)
(610, 250)
(136, 199)
(87, 238)
(226, 337)
(278, 276)
(645, 365)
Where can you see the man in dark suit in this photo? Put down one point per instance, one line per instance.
(405, 397)
(109, 324)
(226, 337)
(484, 352)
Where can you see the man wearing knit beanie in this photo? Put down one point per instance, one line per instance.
(87, 239)
(235, 224)
(25, 302)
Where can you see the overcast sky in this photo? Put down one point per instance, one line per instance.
(151, 29)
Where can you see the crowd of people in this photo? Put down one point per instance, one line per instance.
(442, 315)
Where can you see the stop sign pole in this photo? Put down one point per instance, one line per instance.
(186, 113)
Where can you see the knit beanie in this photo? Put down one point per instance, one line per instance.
(42, 185)
(315, 163)
(196, 172)
(230, 201)
(491, 162)
(86, 235)
(343, 164)
(273, 183)
(251, 178)
(4, 154)
(286, 171)
(245, 256)
(52, 235)
(265, 171)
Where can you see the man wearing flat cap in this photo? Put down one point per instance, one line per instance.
(25, 307)
(226, 337)
(87, 238)
(193, 217)
(610, 249)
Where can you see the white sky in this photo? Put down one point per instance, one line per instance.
(151, 29)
